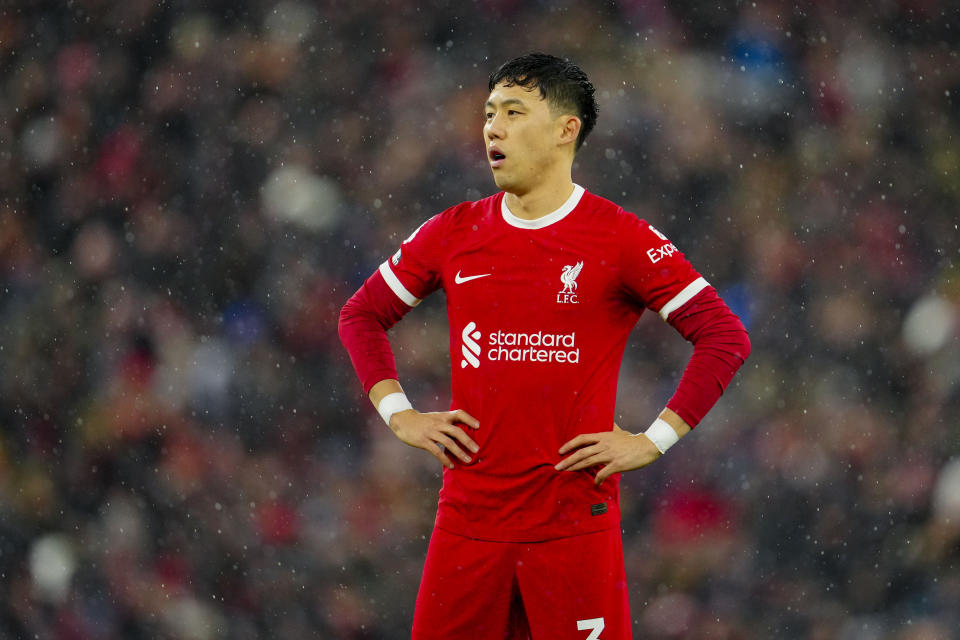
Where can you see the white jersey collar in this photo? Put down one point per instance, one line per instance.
(542, 221)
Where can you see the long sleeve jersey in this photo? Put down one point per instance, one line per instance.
(539, 314)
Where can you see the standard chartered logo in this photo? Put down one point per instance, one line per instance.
(510, 346)
(470, 346)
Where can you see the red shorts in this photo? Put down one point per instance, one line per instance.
(565, 589)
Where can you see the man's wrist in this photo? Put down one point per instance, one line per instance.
(662, 435)
(393, 403)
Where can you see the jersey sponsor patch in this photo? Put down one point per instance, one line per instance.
(516, 346)
(598, 509)
(656, 254)
(470, 347)
(659, 253)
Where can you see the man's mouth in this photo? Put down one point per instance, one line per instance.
(496, 157)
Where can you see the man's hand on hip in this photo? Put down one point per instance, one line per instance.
(616, 450)
(437, 433)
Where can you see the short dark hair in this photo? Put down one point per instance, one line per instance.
(562, 83)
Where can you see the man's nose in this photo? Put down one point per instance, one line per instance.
(494, 127)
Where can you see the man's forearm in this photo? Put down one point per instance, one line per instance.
(382, 389)
(363, 325)
(388, 398)
(721, 346)
(679, 424)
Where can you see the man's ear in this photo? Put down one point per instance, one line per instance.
(571, 129)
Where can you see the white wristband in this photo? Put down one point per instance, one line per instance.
(391, 404)
(662, 435)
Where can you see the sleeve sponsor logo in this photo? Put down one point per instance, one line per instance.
(664, 251)
(658, 254)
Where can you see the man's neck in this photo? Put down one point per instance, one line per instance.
(541, 201)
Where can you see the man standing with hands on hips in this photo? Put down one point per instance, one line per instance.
(544, 282)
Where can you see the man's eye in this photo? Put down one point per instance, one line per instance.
(489, 115)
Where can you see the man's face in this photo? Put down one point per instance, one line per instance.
(522, 135)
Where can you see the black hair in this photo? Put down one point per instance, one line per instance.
(562, 83)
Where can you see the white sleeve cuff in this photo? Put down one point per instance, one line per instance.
(662, 435)
(392, 403)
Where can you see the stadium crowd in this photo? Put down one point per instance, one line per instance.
(190, 191)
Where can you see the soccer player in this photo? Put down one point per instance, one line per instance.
(544, 282)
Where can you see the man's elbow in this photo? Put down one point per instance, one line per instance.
(348, 316)
(745, 346)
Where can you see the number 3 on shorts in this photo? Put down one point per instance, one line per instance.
(595, 625)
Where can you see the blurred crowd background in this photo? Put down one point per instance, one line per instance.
(190, 191)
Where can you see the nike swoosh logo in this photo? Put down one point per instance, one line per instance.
(461, 279)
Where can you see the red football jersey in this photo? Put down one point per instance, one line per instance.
(539, 311)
